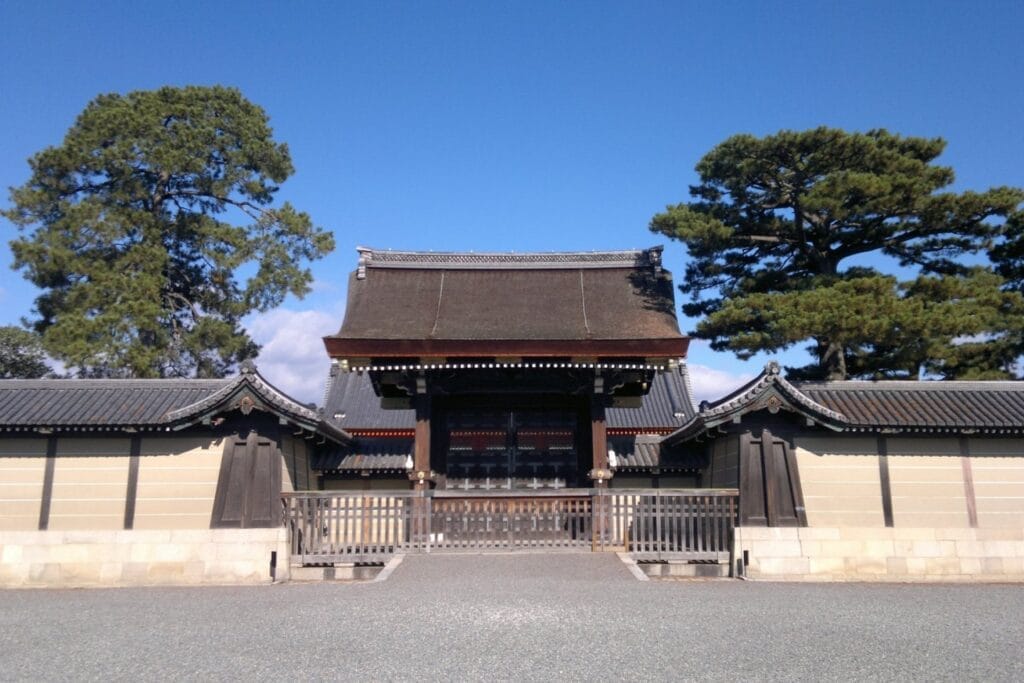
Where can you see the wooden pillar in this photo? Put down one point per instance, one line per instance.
(968, 471)
(599, 473)
(421, 449)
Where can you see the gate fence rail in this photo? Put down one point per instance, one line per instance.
(371, 526)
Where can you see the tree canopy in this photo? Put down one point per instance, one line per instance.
(774, 233)
(152, 231)
(21, 354)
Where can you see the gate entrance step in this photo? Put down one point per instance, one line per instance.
(657, 570)
(337, 572)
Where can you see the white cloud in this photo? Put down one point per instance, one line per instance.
(709, 384)
(293, 357)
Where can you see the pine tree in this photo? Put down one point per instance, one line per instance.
(773, 227)
(137, 225)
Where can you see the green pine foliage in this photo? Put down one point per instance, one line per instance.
(21, 354)
(138, 226)
(776, 221)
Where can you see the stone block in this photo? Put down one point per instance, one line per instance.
(879, 548)
(858, 566)
(775, 548)
(44, 573)
(971, 549)
(69, 554)
(826, 565)
(929, 549)
(781, 566)
(195, 536)
(1002, 534)
(223, 571)
(14, 573)
(1003, 548)
(818, 534)
(842, 548)
(110, 572)
(864, 533)
(955, 534)
(243, 551)
(970, 565)
(766, 533)
(917, 566)
(1013, 566)
(135, 573)
(48, 538)
(80, 574)
(166, 572)
(144, 536)
(942, 566)
(896, 566)
(810, 548)
(142, 552)
(195, 571)
(18, 537)
(913, 534)
(173, 552)
(93, 536)
(10, 553)
(992, 565)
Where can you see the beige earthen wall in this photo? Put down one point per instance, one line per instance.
(997, 467)
(927, 482)
(22, 466)
(840, 480)
(177, 481)
(90, 479)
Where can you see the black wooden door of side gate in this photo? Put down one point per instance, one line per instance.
(249, 484)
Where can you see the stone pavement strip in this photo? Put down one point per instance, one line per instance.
(516, 617)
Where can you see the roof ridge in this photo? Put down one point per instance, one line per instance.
(387, 258)
(924, 385)
(113, 382)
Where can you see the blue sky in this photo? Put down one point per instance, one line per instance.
(521, 126)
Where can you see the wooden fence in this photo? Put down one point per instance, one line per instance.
(654, 524)
(667, 524)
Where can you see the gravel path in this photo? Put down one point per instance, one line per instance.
(517, 617)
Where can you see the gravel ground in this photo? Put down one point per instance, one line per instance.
(517, 617)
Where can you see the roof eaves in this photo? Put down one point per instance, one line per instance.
(752, 396)
(250, 381)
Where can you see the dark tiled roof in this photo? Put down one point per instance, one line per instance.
(666, 405)
(99, 402)
(921, 406)
(635, 451)
(352, 404)
(924, 404)
(368, 455)
(408, 296)
(351, 394)
(111, 403)
(646, 451)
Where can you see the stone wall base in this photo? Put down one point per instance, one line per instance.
(71, 559)
(880, 554)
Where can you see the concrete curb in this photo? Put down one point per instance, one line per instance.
(632, 567)
(391, 565)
